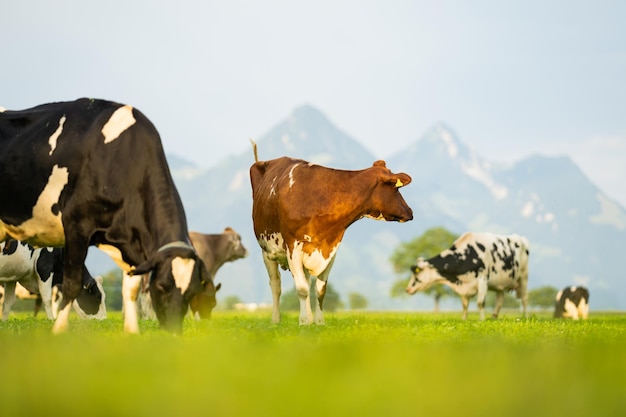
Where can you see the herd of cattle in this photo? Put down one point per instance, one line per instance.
(93, 173)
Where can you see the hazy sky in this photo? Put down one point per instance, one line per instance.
(512, 78)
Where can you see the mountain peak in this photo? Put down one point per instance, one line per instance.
(308, 111)
(308, 134)
(441, 135)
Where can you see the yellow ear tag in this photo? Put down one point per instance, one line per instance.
(399, 183)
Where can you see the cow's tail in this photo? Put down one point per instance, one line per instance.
(256, 155)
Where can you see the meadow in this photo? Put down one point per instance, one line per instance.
(358, 364)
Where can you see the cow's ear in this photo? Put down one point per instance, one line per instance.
(143, 268)
(397, 180)
(217, 288)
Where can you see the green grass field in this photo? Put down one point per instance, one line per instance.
(359, 364)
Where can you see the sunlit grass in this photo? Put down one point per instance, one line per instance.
(359, 364)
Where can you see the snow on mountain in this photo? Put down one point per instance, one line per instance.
(610, 213)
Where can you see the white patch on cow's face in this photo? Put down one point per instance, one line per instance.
(2, 109)
(423, 278)
(182, 268)
(292, 181)
(53, 139)
(116, 256)
(44, 228)
(120, 120)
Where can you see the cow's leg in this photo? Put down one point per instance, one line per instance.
(38, 302)
(583, 309)
(301, 281)
(8, 299)
(320, 292)
(56, 301)
(465, 303)
(131, 285)
(274, 274)
(499, 303)
(522, 291)
(482, 295)
(571, 310)
(73, 263)
(45, 292)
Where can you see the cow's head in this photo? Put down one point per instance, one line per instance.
(204, 302)
(424, 275)
(176, 276)
(386, 202)
(90, 303)
(235, 249)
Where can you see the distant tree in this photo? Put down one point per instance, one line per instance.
(112, 285)
(426, 246)
(357, 301)
(289, 301)
(398, 288)
(542, 297)
(229, 302)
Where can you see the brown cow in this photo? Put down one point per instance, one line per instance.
(214, 250)
(302, 210)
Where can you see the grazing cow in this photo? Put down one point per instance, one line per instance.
(572, 302)
(93, 172)
(475, 263)
(39, 271)
(214, 250)
(302, 210)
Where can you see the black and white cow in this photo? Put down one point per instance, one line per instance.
(215, 250)
(93, 172)
(39, 271)
(572, 302)
(475, 263)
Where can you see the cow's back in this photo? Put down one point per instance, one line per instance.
(502, 258)
(90, 156)
(509, 263)
(17, 263)
(266, 178)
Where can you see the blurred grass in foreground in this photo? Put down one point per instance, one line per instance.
(368, 364)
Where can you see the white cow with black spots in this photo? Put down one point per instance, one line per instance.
(40, 272)
(474, 264)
